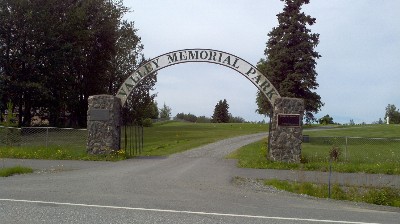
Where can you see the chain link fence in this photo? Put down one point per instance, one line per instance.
(43, 137)
(353, 149)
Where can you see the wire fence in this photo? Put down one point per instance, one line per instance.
(353, 149)
(315, 149)
(43, 137)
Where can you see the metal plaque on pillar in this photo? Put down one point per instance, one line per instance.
(289, 120)
(99, 114)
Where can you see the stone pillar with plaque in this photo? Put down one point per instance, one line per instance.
(286, 131)
(103, 124)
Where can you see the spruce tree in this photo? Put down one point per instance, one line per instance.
(291, 59)
(221, 113)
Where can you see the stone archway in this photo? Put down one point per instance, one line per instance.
(104, 111)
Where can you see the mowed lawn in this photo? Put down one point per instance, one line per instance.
(162, 139)
(370, 131)
(370, 149)
(172, 137)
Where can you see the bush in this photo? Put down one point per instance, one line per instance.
(10, 136)
(147, 122)
(335, 153)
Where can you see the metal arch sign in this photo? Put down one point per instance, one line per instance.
(199, 55)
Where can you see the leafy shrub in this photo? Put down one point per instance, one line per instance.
(147, 122)
(10, 136)
(384, 196)
(334, 153)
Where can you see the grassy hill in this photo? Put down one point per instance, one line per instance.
(172, 137)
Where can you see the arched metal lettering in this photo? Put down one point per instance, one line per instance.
(199, 55)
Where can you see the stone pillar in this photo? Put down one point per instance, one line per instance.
(103, 124)
(286, 131)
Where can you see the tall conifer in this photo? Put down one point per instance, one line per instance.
(291, 59)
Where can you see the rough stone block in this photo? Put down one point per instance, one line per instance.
(104, 124)
(285, 141)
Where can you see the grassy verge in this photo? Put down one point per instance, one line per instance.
(370, 157)
(379, 196)
(54, 152)
(254, 156)
(6, 172)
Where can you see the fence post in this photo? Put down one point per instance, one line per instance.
(131, 146)
(345, 151)
(47, 137)
(141, 149)
(330, 176)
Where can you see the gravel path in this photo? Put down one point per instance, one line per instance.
(221, 148)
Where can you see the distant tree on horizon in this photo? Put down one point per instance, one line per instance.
(221, 113)
(186, 117)
(165, 112)
(291, 59)
(393, 113)
(237, 119)
(326, 120)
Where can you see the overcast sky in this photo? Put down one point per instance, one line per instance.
(358, 72)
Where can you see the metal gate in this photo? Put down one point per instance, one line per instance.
(132, 140)
(131, 136)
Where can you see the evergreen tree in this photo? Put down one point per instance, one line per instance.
(165, 112)
(290, 59)
(221, 113)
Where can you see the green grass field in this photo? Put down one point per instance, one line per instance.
(371, 131)
(172, 137)
(162, 139)
(44, 143)
(360, 155)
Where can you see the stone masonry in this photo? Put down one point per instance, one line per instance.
(285, 141)
(103, 124)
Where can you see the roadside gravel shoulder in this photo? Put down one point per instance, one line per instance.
(257, 185)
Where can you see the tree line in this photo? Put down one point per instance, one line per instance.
(54, 54)
(220, 115)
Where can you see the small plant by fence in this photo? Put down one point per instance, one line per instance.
(43, 137)
(352, 149)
